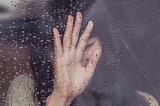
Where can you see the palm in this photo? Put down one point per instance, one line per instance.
(72, 71)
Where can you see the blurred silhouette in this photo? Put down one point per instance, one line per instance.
(129, 32)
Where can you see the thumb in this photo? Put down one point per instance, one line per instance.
(93, 60)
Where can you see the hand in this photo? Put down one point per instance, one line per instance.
(74, 66)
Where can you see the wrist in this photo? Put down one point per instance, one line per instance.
(55, 100)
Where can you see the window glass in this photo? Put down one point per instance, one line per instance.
(128, 70)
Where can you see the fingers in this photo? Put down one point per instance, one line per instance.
(71, 39)
(68, 34)
(95, 56)
(83, 40)
(57, 43)
(92, 44)
(76, 29)
(92, 40)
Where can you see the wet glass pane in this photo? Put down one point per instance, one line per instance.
(118, 61)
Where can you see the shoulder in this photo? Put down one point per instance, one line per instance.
(21, 92)
(22, 82)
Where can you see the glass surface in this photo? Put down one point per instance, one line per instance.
(129, 30)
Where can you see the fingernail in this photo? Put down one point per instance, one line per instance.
(55, 30)
(90, 23)
(70, 18)
(79, 15)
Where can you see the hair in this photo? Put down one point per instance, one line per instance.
(57, 12)
(120, 71)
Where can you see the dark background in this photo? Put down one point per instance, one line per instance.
(129, 31)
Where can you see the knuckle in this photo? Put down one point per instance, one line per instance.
(78, 22)
(84, 40)
(69, 25)
(57, 47)
(75, 34)
(89, 30)
(80, 49)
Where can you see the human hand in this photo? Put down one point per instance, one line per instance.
(74, 66)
